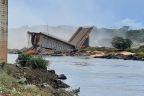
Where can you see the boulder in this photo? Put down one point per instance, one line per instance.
(62, 77)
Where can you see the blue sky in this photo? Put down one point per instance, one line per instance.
(101, 13)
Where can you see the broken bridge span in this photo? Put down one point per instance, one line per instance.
(79, 40)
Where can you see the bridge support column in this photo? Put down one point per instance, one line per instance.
(3, 30)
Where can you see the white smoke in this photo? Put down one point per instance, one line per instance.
(102, 37)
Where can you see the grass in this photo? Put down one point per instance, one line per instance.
(32, 90)
(9, 85)
(34, 70)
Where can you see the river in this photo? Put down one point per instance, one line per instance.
(99, 77)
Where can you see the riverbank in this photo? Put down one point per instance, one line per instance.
(97, 52)
(112, 53)
(24, 81)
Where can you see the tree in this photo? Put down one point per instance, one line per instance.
(121, 43)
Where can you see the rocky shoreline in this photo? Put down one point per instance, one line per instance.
(108, 53)
(47, 81)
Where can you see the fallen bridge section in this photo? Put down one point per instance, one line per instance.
(43, 40)
(79, 40)
(81, 37)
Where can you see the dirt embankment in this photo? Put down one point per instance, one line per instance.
(45, 80)
(115, 55)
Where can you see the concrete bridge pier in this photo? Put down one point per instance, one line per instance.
(3, 30)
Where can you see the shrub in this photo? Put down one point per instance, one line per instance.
(32, 62)
(121, 43)
(37, 63)
(23, 59)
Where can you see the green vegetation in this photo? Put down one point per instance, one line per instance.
(121, 43)
(35, 62)
(8, 85)
(28, 80)
(136, 35)
(10, 75)
(23, 59)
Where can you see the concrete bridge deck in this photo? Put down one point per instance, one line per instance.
(45, 40)
(80, 37)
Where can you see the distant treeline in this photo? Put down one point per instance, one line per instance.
(102, 37)
(136, 35)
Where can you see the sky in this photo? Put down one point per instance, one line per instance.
(100, 13)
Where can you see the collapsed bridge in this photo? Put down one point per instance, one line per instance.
(79, 40)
